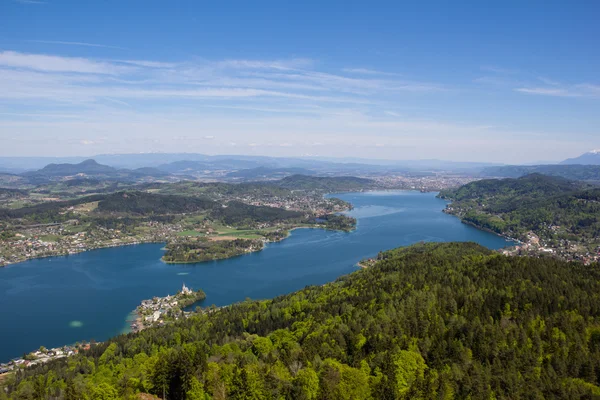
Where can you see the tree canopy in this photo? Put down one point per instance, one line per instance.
(437, 321)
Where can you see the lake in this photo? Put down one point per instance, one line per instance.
(62, 300)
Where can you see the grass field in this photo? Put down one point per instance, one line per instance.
(50, 238)
(190, 233)
(77, 228)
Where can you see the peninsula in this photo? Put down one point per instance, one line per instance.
(160, 310)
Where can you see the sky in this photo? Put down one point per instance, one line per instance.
(505, 81)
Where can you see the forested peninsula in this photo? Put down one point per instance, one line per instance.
(431, 321)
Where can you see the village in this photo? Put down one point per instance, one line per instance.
(60, 239)
(42, 356)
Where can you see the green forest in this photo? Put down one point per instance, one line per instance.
(203, 249)
(430, 321)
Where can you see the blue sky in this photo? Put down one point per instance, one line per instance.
(475, 81)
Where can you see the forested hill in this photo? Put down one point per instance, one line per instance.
(529, 187)
(559, 211)
(328, 184)
(432, 321)
(137, 203)
(85, 167)
(148, 203)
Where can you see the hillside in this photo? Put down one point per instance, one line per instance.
(530, 187)
(589, 173)
(240, 214)
(431, 321)
(147, 203)
(562, 213)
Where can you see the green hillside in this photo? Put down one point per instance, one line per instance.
(554, 208)
(432, 321)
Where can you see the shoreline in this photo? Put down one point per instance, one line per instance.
(484, 229)
(108, 246)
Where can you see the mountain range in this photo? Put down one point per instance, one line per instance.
(589, 158)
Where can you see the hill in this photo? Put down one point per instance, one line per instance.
(564, 214)
(501, 191)
(589, 158)
(431, 321)
(589, 173)
(240, 214)
(88, 167)
(142, 203)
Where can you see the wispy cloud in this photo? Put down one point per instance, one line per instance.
(30, 1)
(366, 71)
(149, 64)
(84, 44)
(533, 84)
(499, 70)
(51, 63)
(59, 79)
(560, 90)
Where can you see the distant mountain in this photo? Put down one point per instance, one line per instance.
(265, 172)
(146, 172)
(589, 173)
(330, 184)
(176, 163)
(184, 166)
(88, 167)
(589, 158)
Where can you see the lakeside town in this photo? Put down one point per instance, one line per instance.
(42, 356)
(160, 310)
(63, 239)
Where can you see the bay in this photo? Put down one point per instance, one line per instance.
(61, 300)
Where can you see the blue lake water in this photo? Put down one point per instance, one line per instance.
(61, 300)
